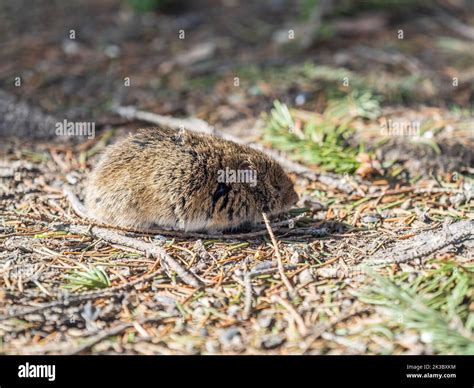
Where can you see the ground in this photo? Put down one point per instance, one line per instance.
(376, 258)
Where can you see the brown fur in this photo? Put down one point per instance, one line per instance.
(162, 177)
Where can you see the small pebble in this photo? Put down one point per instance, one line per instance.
(233, 310)
(159, 238)
(305, 276)
(265, 321)
(112, 51)
(272, 341)
(295, 258)
(227, 336)
(164, 300)
(90, 312)
(423, 215)
(426, 337)
(370, 218)
(200, 249)
(300, 99)
(457, 199)
(212, 346)
(406, 205)
(72, 178)
(70, 47)
(443, 200)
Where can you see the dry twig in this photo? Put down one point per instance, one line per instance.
(281, 269)
(149, 248)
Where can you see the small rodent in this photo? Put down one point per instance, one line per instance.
(187, 181)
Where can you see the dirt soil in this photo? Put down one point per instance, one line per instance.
(247, 304)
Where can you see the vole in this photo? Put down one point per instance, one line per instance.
(183, 180)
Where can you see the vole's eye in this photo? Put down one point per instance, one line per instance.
(245, 165)
(221, 190)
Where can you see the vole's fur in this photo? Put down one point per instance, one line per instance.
(173, 179)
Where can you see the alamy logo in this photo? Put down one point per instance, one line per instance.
(75, 128)
(400, 128)
(37, 371)
(237, 176)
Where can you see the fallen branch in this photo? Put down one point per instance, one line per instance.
(424, 244)
(148, 248)
(192, 124)
(421, 246)
(455, 24)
